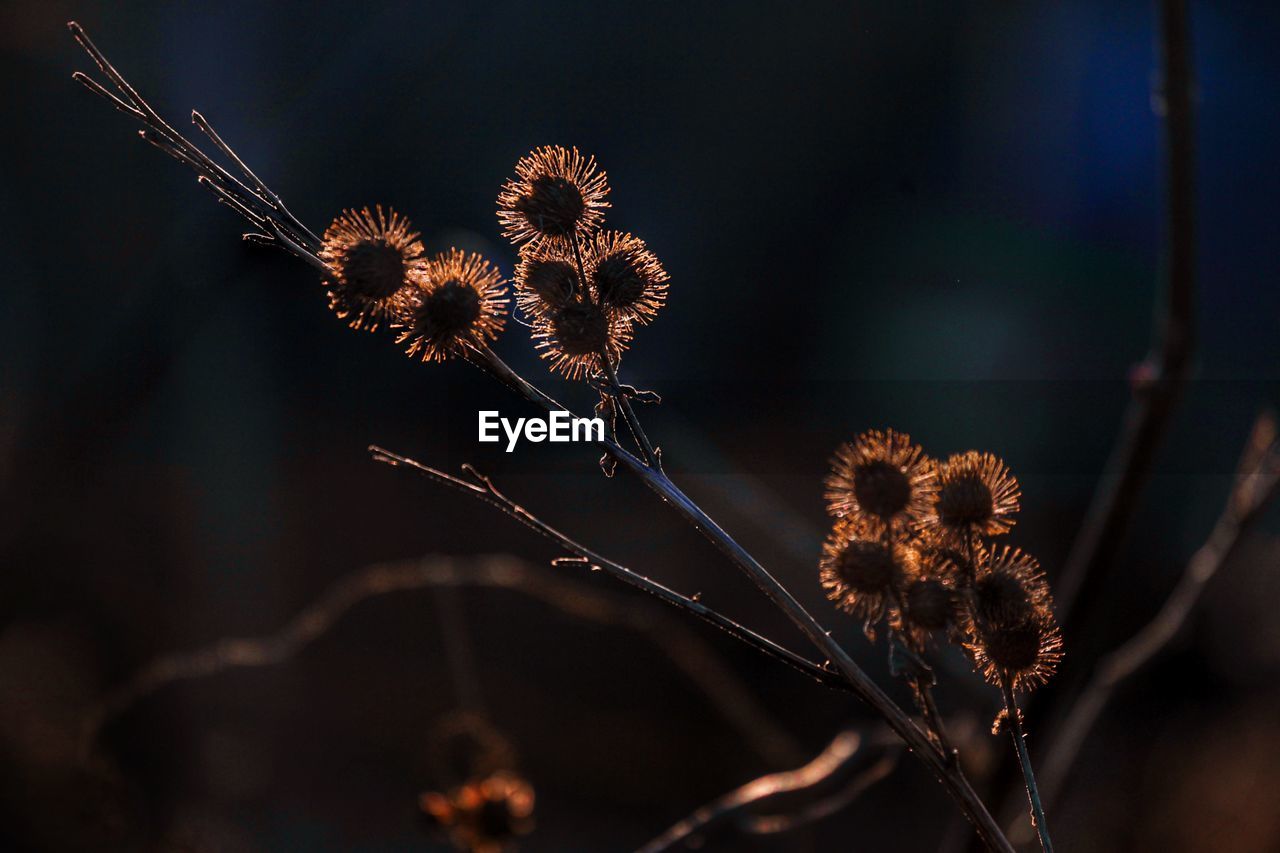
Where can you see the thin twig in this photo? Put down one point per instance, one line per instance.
(254, 201)
(686, 650)
(1013, 718)
(1160, 380)
(749, 805)
(1256, 484)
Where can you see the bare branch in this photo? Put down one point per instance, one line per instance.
(685, 649)
(1255, 486)
(1159, 382)
(756, 807)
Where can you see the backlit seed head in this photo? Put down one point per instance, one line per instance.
(1009, 589)
(371, 255)
(484, 815)
(556, 194)
(976, 495)
(574, 337)
(881, 477)
(862, 573)
(626, 276)
(546, 281)
(1026, 654)
(456, 301)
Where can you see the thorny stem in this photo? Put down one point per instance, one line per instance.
(263, 208)
(1028, 775)
(620, 399)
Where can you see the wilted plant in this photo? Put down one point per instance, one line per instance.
(909, 552)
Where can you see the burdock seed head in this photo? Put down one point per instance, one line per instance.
(546, 281)
(880, 477)
(1025, 654)
(371, 256)
(484, 815)
(626, 276)
(574, 337)
(863, 573)
(976, 495)
(1012, 635)
(457, 300)
(556, 194)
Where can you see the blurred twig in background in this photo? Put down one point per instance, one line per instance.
(1159, 381)
(784, 801)
(1256, 482)
(685, 649)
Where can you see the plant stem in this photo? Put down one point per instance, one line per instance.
(859, 682)
(1028, 775)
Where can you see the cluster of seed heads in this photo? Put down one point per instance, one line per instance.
(483, 815)
(583, 288)
(910, 548)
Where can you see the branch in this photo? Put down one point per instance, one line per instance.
(1255, 485)
(686, 649)
(752, 807)
(246, 195)
(1159, 382)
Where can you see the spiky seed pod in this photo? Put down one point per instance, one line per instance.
(484, 815)
(557, 193)
(1009, 589)
(880, 477)
(371, 255)
(1026, 654)
(862, 573)
(457, 300)
(1011, 630)
(931, 601)
(546, 280)
(574, 336)
(976, 496)
(626, 276)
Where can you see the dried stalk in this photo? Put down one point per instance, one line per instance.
(1160, 380)
(1256, 484)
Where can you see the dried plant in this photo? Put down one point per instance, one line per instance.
(910, 553)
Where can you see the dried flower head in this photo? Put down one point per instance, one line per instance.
(372, 255)
(546, 280)
(626, 277)
(1009, 588)
(574, 337)
(1012, 635)
(556, 194)
(880, 477)
(976, 495)
(457, 300)
(931, 601)
(1025, 654)
(863, 573)
(484, 815)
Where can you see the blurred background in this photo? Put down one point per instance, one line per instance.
(944, 218)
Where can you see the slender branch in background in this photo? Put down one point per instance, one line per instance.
(755, 807)
(689, 652)
(1255, 486)
(1160, 380)
(456, 640)
(1013, 719)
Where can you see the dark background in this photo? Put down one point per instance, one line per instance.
(939, 217)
